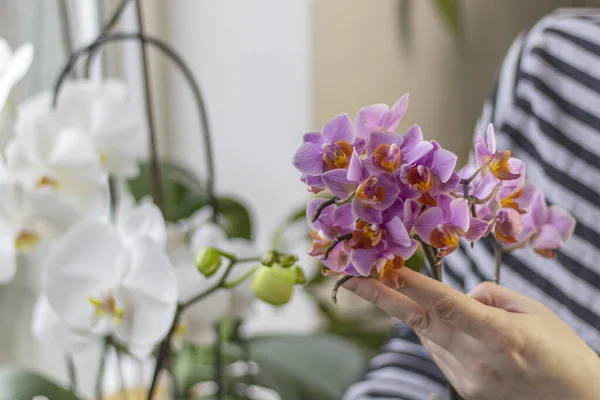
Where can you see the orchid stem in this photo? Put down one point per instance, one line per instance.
(72, 373)
(339, 239)
(337, 285)
(101, 368)
(67, 34)
(218, 377)
(435, 263)
(498, 252)
(121, 375)
(323, 206)
(164, 349)
(155, 173)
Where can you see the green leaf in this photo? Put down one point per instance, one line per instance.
(19, 384)
(450, 10)
(235, 218)
(306, 367)
(183, 192)
(417, 261)
(194, 364)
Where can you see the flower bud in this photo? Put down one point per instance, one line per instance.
(208, 261)
(288, 260)
(269, 258)
(509, 224)
(296, 274)
(272, 285)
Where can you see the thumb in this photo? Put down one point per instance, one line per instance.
(497, 296)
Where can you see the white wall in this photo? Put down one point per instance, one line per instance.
(252, 59)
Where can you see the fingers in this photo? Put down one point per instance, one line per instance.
(398, 305)
(448, 304)
(497, 296)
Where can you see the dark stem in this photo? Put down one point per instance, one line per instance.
(101, 368)
(112, 21)
(164, 349)
(498, 251)
(72, 373)
(218, 371)
(337, 240)
(337, 285)
(120, 371)
(188, 75)
(435, 263)
(323, 206)
(155, 173)
(65, 24)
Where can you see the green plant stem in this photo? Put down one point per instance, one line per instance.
(323, 206)
(218, 370)
(164, 349)
(101, 368)
(67, 34)
(337, 285)
(121, 375)
(498, 252)
(72, 373)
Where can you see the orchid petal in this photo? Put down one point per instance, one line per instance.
(363, 260)
(417, 152)
(459, 209)
(343, 217)
(309, 159)
(427, 222)
(538, 210)
(405, 252)
(356, 168)
(370, 118)
(491, 138)
(315, 138)
(482, 154)
(378, 138)
(143, 220)
(7, 253)
(411, 138)
(443, 164)
(336, 181)
(548, 238)
(478, 228)
(562, 221)
(397, 233)
(338, 129)
(396, 113)
(367, 214)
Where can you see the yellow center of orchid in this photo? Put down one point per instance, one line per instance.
(107, 307)
(509, 202)
(369, 193)
(27, 240)
(102, 157)
(499, 166)
(46, 181)
(444, 236)
(365, 236)
(388, 270)
(337, 155)
(420, 178)
(387, 157)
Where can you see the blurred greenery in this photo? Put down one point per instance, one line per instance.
(296, 367)
(19, 384)
(185, 194)
(450, 12)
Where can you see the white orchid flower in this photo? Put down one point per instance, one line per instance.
(144, 219)
(59, 162)
(13, 67)
(197, 322)
(100, 280)
(103, 112)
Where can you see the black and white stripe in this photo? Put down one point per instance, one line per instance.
(546, 110)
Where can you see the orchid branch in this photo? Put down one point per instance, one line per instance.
(337, 240)
(218, 370)
(101, 368)
(155, 173)
(72, 373)
(188, 75)
(164, 349)
(337, 285)
(498, 252)
(323, 206)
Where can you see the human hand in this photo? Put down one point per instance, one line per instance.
(493, 343)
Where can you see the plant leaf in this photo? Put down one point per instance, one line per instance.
(182, 190)
(450, 11)
(20, 384)
(235, 218)
(306, 367)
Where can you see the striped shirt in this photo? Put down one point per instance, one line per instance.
(546, 109)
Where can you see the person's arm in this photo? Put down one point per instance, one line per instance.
(496, 344)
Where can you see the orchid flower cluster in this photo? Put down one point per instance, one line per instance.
(381, 194)
(113, 271)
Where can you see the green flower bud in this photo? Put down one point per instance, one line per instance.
(272, 285)
(208, 261)
(296, 275)
(269, 258)
(288, 260)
